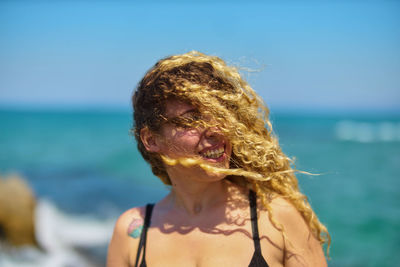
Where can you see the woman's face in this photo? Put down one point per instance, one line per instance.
(177, 141)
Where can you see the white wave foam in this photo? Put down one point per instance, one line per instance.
(366, 132)
(33, 257)
(55, 229)
(60, 235)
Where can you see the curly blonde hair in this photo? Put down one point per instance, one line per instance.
(219, 91)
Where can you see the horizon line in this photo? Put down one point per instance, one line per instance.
(276, 109)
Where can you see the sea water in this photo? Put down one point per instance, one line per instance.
(86, 164)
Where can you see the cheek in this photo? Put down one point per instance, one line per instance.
(228, 154)
(177, 141)
(181, 144)
(228, 149)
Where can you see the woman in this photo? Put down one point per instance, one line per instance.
(234, 199)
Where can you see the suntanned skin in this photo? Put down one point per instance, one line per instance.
(205, 220)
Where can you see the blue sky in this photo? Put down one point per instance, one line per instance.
(313, 55)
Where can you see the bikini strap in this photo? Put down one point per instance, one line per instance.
(143, 236)
(254, 224)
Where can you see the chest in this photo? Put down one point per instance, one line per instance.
(222, 245)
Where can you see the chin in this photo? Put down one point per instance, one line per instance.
(213, 176)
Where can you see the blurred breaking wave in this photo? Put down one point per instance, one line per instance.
(368, 132)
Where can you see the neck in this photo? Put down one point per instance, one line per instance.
(195, 198)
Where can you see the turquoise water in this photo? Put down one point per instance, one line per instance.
(87, 163)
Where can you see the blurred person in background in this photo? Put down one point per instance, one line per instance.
(234, 198)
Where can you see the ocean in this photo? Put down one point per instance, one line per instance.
(85, 165)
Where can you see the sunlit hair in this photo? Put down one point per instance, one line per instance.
(219, 92)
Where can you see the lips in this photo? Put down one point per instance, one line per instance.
(215, 152)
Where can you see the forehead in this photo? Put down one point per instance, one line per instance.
(175, 107)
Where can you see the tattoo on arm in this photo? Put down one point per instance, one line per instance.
(135, 228)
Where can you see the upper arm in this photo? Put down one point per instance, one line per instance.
(122, 248)
(302, 248)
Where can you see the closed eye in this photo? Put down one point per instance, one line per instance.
(191, 115)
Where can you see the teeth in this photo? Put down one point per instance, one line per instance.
(213, 154)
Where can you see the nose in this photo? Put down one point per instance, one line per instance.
(212, 133)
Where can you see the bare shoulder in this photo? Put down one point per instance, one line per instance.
(285, 211)
(129, 221)
(125, 240)
(302, 247)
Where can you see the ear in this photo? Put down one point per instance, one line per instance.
(149, 140)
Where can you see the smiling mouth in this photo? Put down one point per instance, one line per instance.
(215, 153)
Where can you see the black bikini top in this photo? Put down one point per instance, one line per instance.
(256, 261)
